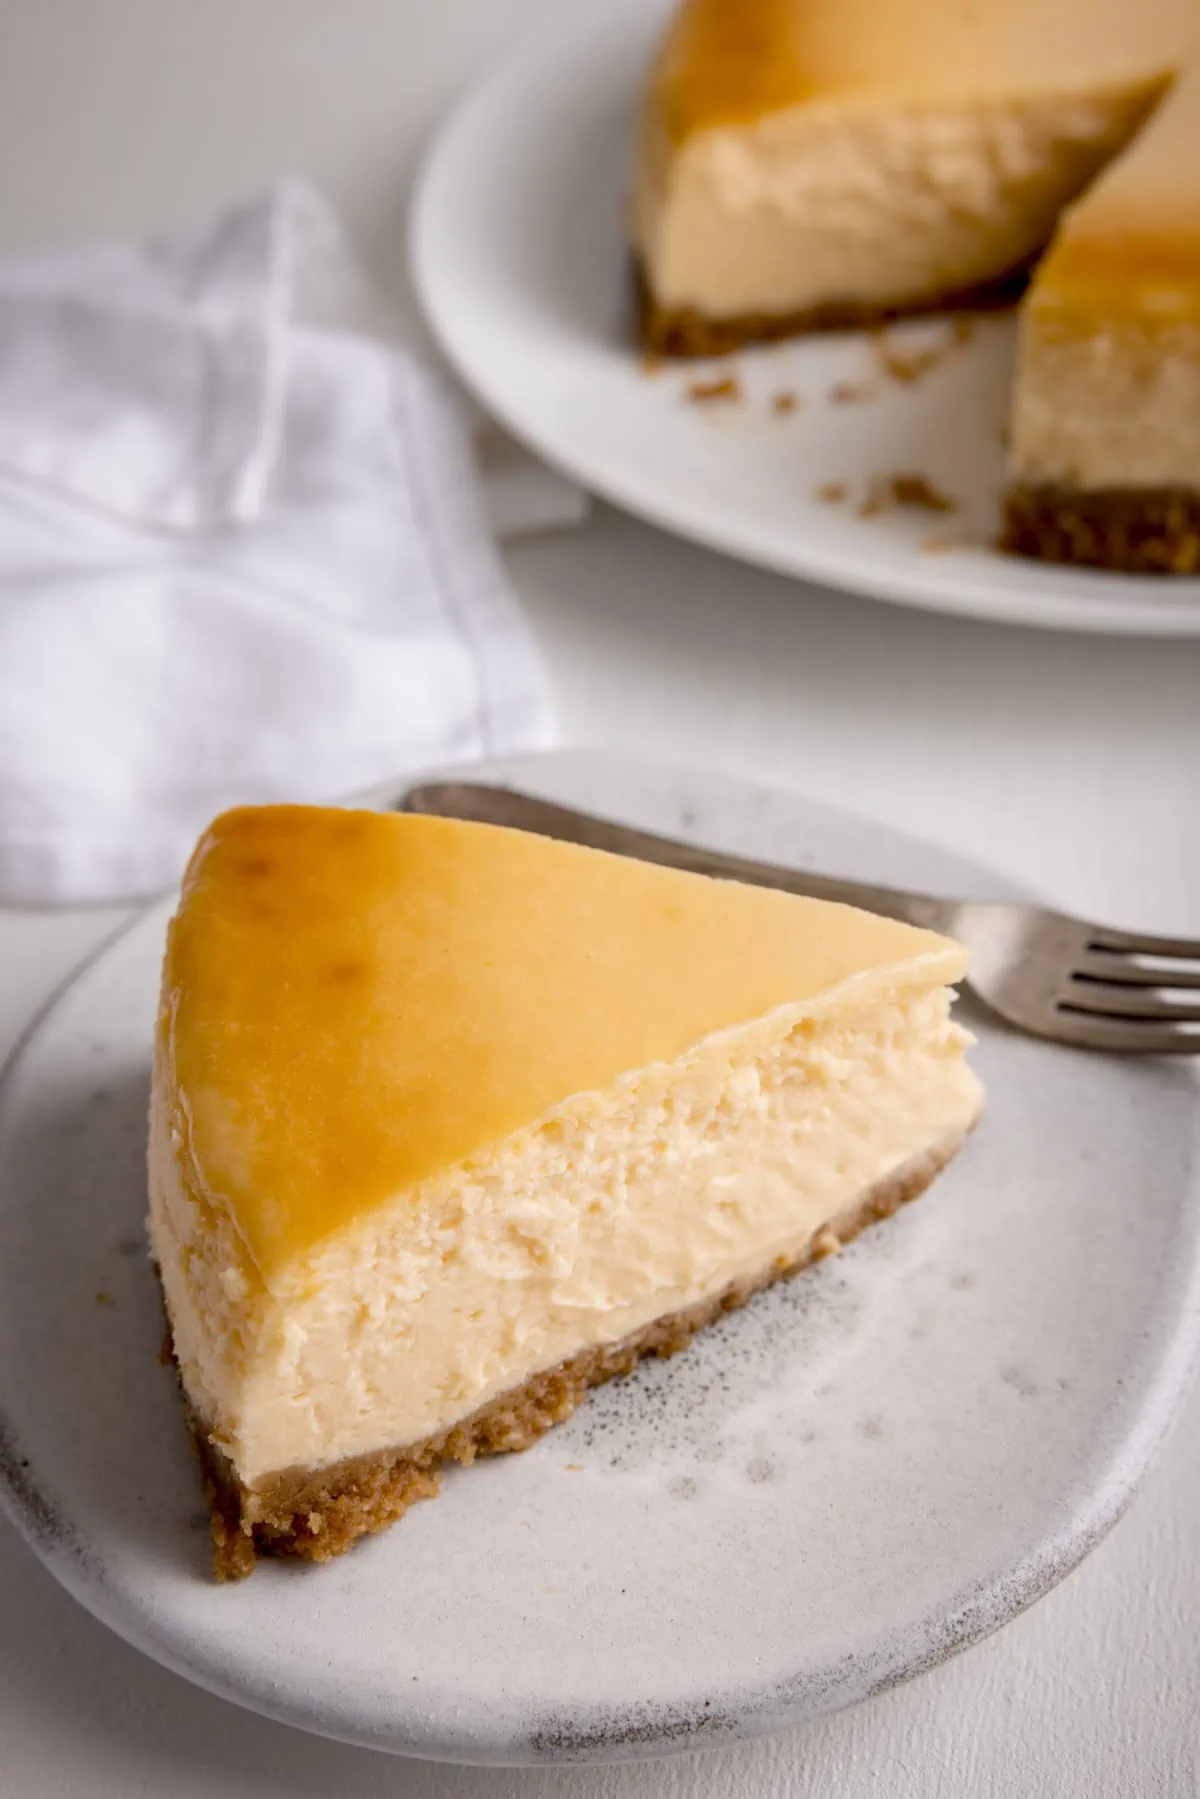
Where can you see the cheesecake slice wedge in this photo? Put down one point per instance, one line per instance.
(450, 1122)
(1106, 414)
(813, 163)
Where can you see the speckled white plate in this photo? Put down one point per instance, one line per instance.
(519, 253)
(857, 1476)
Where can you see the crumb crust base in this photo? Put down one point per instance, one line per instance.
(1132, 531)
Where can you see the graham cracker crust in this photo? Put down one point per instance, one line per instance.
(682, 331)
(319, 1514)
(1132, 531)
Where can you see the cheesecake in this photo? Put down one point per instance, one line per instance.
(451, 1122)
(1105, 457)
(814, 163)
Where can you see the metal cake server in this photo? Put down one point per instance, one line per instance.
(1044, 972)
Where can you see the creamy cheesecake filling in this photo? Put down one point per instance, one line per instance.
(1108, 402)
(614, 1209)
(1108, 379)
(852, 202)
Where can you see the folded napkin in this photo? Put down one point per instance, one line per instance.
(245, 554)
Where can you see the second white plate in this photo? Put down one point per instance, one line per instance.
(519, 252)
(864, 1471)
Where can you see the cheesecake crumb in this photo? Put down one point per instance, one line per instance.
(727, 388)
(918, 492)
(905, 366)
(908, 370)
(851, 393)
(103, 1298)
(832, 494)
(785, 402)
(574, 1467)
(909, 366)
(912, 493)
(651, 365)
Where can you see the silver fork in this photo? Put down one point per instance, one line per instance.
(1046, 973)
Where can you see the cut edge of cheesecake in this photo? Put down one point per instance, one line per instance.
(318, 1514)
(896, 1082)
(771, 132)
(946, 248)
(1104, 466)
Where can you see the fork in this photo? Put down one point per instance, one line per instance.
(1045, 972)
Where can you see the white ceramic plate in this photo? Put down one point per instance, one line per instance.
(519, 253)
(863, 1472)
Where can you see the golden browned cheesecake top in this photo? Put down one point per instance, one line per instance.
(1131, 246)
(353, 1001)
(727, 62)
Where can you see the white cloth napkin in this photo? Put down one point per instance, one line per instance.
(244, 551)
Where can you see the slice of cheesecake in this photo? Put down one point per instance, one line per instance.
(1106, 417)
(808, 163)
(450, 1122)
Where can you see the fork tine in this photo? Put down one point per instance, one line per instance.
(1130, 943)
(1101, 999)
(1142, 1036)
(1122, 971)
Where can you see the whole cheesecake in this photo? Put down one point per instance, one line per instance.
(450, 1122)
(806, 163)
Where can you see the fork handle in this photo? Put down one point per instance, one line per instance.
(521, 811)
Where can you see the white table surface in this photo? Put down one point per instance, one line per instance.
(1073, 763)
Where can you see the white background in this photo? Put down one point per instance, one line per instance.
(1073, 763)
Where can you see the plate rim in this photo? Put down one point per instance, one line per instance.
(959, 1622)
(1137, 607)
